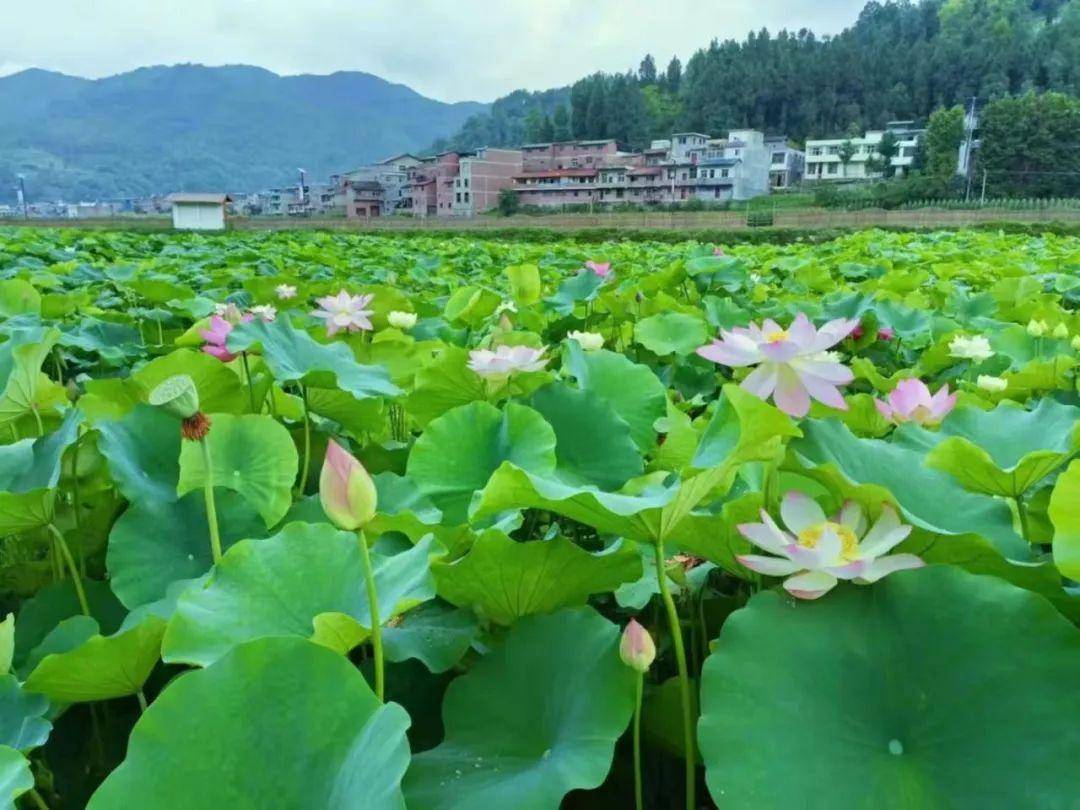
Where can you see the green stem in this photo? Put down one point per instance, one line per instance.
(247, 376)
(35, 797)
(638, 799)
(160, 334)
(307, 443)
(684, 676)
(40, 425)
(142, 700)
(373, 608)
(1021, 511)
(211, 506)
(65, 552)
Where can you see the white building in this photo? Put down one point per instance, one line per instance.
(786, 163)
(351, 193)
(823, 156)
(199, 212)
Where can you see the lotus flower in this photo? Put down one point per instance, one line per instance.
(970, 348)
(1061, 331)
(346, 491)
(1037, 328)
(265, 312)
(819, 551)
(884, 333)
(636, 648)
(602, 269)
(910, 401)
(230, 312)
(995, 385)
(344, 312)
(590, 341)
(506, 360)
(1075, 342)
(401, 320)
(285, 291)
(717, 251)
(216, 336)
(792, 366)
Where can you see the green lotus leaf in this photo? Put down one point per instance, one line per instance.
(927, 498)
(458, 452)
(434, 633)
(49, 607)
(671, 333)
(29, 473)
(502, 580)
(24, 389)
(444, 384)
(1005, 451)
(635, 393)
(323, 738)
(253, 455)
(742, 428)
(7, 643)
(537, 717)
(18, 297)
(884, 698)
(583, 287)
(16, 778)
(23, 724)
(142, 450)
(593, 444)
(524, 283)
(265, 588)
(295, 356)
(101, 667)
(220, 389)
(114, 343)
(160, 290)
(470, 306)
(358, 417)
(157, 543)
(1065, 515)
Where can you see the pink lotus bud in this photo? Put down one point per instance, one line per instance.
(886, 333)
(717, 251)
(346, 490)
(857, 332)
(636, 647)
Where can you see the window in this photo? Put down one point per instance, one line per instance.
(466, 182)
(458, 196)
(816, 150)
(832, 168)
(778, 157)
(833, 150)
(466, 196)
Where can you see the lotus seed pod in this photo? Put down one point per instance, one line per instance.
(177, 395)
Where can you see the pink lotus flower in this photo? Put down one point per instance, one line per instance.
(506, 360)
(820, 551)
(217, 334)
(791, 364)
(636, 648)
(346, 491)
(602, 269)
(886, 333)
(717, 251)
(344, 312)
(910, 401)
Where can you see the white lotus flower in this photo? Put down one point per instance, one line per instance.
(971, 348)
(992, 384)
(285, 291)
(820, 551)
(590, 341)
(506, 360)
(265, 312)
(401, 320)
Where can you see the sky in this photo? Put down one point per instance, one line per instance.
(452, 50)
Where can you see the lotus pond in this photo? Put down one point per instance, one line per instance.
(308, 520)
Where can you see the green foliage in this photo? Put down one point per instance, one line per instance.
(1027, 146)
(944, 134)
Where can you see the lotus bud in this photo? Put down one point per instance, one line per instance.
(401, 320)
(346, 491)
(176, 395)
(636, 647)
(1076, 342)
(994, 385)
(590, 341)
(1061, 331)
(886, 333)
(1036, 328)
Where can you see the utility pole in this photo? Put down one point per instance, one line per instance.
(982, 199)
(301, 196)
(22, 196)
(969, 133)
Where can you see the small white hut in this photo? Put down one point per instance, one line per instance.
(199, 212)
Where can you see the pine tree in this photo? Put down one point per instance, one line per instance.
(647, 71)
(673, 75)
(561, 124)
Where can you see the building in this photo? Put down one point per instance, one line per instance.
(823, 156)
(375, 190)
(430, 185)
(199, 212)
(970, 143)
(786, 163)
(461, 184)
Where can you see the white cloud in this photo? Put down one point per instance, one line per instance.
(468, 49)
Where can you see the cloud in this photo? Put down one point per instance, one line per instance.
(468, 49)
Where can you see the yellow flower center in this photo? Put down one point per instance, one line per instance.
(779, 336)
(849, 543)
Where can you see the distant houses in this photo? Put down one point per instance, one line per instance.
(859, 158)
(199, 212)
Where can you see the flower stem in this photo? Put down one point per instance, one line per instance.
(373, 608)
(35, 797)
(247, 376)
(211, 506)
(40, 424)
(638, 800)
(76, 580)
(307, 443)
(1021, 512)
(142, 701)
(684, 677)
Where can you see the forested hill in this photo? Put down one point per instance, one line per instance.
(898, 60)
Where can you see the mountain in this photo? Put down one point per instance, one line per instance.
(898, 60)
(191, 127)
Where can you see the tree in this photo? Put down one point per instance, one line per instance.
(561, 125)
(846, 152)
(534, 126)
(887, 149)
(673, 75)
(509, 203)
(1028, 146)
(547, 130)
(595, 112)
(944, 134)
(647, 71)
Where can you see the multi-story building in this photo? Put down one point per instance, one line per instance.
(431, 183)
(823, 156)
(373, 190)
(481, 176)
(543, 157)
(786, 163)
